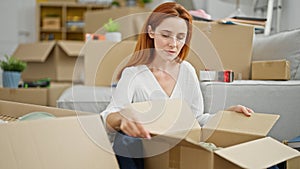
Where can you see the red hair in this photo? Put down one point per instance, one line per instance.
(143, 53)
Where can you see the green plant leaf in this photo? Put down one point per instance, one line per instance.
(111, 26)
(12, 64)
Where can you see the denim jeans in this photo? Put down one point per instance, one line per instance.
(129, 151)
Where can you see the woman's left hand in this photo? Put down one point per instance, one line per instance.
(241, 109)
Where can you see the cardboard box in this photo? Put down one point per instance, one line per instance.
(38, 96)
(54, 60)
(51, 23)
(30, 95)
(218, 47)
(177, 136)
(294, 163)
(221, 47)
(71, 140)
(104, 59)
(136, 16)
(271, 70)
(55, 91)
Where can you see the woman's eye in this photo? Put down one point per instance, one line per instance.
(165, 36)
(180, 37)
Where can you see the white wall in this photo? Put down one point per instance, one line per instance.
(290, 14)
(17, 25)
(18, 18)
(224, 8)
(9, 26)
(26, 21)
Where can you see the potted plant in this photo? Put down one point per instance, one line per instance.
(12, 69)
(112, 31)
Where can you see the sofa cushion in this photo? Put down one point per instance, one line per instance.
(294, 65)
(271, 97)
(85, 98)
(283, 45)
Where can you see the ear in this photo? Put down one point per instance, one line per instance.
(150, 32)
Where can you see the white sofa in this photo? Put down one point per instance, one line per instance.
(274, 97)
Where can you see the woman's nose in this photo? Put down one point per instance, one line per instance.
(173, 41)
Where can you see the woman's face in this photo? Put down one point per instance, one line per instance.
(169, 37)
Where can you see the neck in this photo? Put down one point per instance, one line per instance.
(164, 65)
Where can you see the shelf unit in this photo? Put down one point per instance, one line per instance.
(70, 15)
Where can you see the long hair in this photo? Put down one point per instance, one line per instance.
(144, 50)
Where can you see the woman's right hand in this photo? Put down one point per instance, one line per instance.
(127, 125)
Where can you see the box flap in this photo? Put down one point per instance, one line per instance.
(34, 52)
(257, 124)
(171, 117)
(72, 48)
(58, 143)
(260, 153)
(24, 95)
(16, 109)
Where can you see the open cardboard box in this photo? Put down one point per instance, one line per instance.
(54, 60)
(72, 140)
(177, 137)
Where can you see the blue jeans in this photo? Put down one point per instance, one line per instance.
(129, 151)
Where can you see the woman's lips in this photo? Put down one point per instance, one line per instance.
(171, 52)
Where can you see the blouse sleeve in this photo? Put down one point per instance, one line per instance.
(197, 104)
(122, 95)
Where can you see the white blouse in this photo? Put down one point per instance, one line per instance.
(138, 84)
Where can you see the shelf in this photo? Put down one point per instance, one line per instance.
(77, 30)
(69, 19)
(50, 30)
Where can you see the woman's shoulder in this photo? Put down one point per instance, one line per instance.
(188, 66)
(134, 69)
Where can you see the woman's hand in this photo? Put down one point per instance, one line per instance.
(241, 109)
(127, 125)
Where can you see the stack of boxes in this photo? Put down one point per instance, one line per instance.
(55, 60)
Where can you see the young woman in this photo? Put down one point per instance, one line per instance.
(158, 70)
